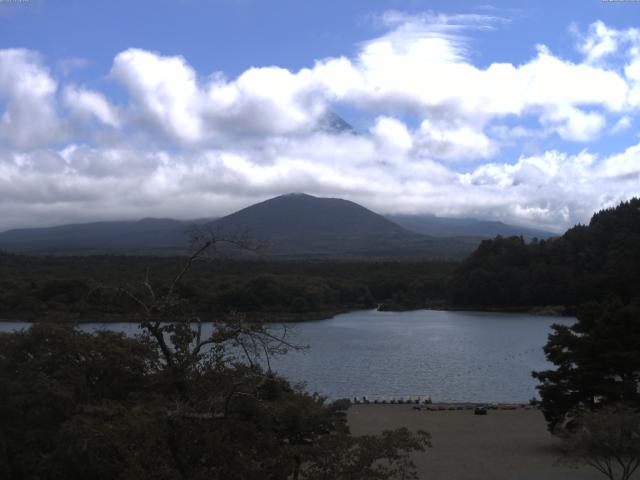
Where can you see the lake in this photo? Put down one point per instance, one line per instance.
(452, 356)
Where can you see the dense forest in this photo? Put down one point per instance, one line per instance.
(85, 288)
(593, 262)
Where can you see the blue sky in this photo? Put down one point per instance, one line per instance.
(524, 112)
(232, 35)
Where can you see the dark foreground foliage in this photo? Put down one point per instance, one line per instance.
(608, 440)
(597, 364)
(103, 406)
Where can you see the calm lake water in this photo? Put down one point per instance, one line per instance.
(452, 356)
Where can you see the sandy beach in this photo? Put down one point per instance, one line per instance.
(503, 445)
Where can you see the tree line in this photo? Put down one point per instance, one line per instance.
(68, 287)
(593, 262)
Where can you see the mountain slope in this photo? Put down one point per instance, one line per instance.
(148, 233)
(294, 225)
(298, 214)
(300, 224)
(456, 227)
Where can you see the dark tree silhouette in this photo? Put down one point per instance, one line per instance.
(174, 402)
(587, 263)
(597, 363)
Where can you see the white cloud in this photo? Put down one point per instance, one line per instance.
(622, 125)
(420, 67)
(87, 104)
(550, 82)
(163, 91)
(598, 43)
(29, 118)
(560, 189)
(632, 72)
(552, 190)
(167, 93)
(452, 142)
(392, 138)
(574, 124)
(190, 144)
(624, 166)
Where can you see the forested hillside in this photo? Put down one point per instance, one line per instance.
(591, 262)
(85, 288)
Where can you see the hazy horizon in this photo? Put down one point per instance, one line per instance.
(196, 219)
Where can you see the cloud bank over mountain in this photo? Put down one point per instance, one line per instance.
(440, 132)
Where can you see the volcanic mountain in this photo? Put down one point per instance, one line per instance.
(300, 224)
(293, 225)
(300, 215)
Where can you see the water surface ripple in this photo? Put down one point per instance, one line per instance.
(452, 356)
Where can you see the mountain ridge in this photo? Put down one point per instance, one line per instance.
(430, 224)
(295, 224)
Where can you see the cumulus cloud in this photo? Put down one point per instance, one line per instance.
(551, 190)
(453, 142)
(560, 189)
(438, 136)
(88, 104)
(167, 93)
(163, 91)
(30, 117)
(420, 67)
(601, 42)
(392, 137)
(624, 166)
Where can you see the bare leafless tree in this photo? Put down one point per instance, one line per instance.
(176, 327)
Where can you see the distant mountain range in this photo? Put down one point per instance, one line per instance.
(148, 234)
(455, 227)
(293, 225)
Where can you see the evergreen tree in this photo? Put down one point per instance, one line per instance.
(597, 363)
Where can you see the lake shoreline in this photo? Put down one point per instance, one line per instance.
(541, 310)
(298, 317)
(253, 317)
(452, 356)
